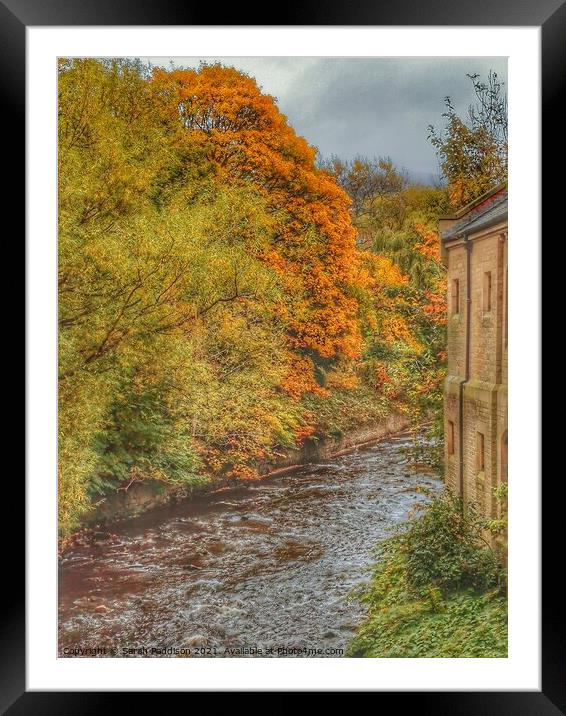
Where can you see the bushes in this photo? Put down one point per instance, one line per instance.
(445, 549)
(438, 591)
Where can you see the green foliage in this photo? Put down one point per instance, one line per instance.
(141, 440)
(344, 410)
(428, 446)
(393, 225)
(438, 591)
(445, 549)
(465, 625)
(498, 526)
(81, 412)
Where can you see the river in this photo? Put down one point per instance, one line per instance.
(264, 570)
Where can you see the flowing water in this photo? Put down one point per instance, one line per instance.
(264, 570)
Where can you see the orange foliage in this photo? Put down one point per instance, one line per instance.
(379, 273)
(457, 193)
(249, 141)
(328, 283)
(435, 308)
(300, 378)
(429, 244)
(381, 375)
(304, 432)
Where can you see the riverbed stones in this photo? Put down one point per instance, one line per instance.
(289, 597)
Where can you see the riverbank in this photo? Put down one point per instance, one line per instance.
(141, 497)
(438, 591)
(269, 566)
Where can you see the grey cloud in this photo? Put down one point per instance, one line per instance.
(368, 106)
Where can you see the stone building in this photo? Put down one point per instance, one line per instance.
(474, 250)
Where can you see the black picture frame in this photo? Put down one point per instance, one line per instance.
(550, 15)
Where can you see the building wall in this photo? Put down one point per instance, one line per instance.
(486, 266)
(451, 425)
(456, 343)
(484, 394)
(456, 314)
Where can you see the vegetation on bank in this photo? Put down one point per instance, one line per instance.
(438, 590)
(222, 292)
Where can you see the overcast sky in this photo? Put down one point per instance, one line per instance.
(368, 106)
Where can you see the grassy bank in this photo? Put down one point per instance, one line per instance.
(438, 590)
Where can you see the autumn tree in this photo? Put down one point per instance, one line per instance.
(365, 180)
(156, 257)
(403, 306)
(473, 149)
(250, 142)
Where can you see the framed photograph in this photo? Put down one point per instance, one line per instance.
(270, 302)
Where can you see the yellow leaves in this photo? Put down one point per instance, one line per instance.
(458, 192)
(384, 315)
(343, 378)
(394, 328)
(382, 272)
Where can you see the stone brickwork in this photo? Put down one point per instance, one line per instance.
(474, 246)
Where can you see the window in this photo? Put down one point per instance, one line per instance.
(480, 452)
(487, 292)
(455, 296)
(450, 438)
